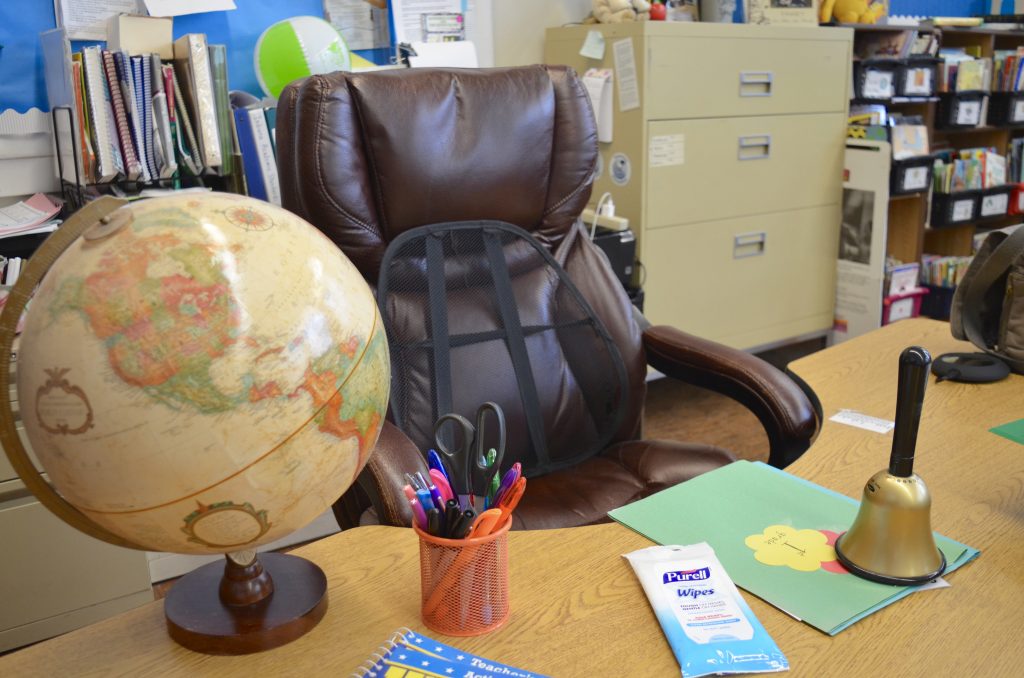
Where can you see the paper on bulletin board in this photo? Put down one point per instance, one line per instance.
(87, 19)
(598, 83)
(860, 271)
(408, 16)
(593, 46)
(363, 23)
(625, 67)
(183, 7)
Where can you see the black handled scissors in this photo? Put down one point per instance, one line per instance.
(468, 459)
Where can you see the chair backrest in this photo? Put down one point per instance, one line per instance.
(367, 157)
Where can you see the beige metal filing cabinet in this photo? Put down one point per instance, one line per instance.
(729, 169)
(53, 578)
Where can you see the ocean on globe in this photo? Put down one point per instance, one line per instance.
(297, 48)
(202, 373)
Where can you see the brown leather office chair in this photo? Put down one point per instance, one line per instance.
(368, 157)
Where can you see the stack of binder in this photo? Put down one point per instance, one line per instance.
(137, 118)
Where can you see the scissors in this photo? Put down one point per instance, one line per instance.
(471, 473)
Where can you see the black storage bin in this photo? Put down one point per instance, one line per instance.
(960, 110)
(917, 77)
(994, 202)
(911, 175)
(937, 303)
(1006, 109)
(875, 79)
(954, 209)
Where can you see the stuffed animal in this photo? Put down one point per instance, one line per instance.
(614, 11)
(852, 11)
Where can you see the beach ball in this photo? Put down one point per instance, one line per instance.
(296, 48)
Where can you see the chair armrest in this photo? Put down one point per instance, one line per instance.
(384, 475)
(778, 401)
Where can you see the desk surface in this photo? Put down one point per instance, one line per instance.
(577, 607)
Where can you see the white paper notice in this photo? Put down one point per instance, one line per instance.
(625, 69)
(408, 16)
(593, 46)
(183, 7)
(598, 83)
(864, 421)
(361, 23)
(665, 150)
(87, 19)
(458, 54)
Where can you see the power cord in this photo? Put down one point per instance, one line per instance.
(610, 211)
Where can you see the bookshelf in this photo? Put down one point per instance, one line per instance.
(912, 229)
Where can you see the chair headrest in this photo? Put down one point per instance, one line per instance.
(368, 156)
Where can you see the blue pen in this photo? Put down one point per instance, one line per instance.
(435, 496)
(426, 501)
(434, 461)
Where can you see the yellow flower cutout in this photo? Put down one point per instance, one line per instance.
(801, 550)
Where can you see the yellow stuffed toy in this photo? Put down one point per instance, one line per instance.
(852, 11)
(615, 11)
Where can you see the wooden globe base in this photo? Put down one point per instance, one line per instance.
(290, 595)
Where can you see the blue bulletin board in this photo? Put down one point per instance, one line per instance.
(21, 60)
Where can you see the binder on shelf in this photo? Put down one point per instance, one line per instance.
(101, 116)
(192, 63)
(219, 74)
(130, 161)
(187, 145)
(165, 150)
(257, 154)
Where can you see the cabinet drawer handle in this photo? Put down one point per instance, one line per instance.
(748, 245)
(755, 147)
(756, 83)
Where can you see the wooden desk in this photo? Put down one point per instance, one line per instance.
(577, 609)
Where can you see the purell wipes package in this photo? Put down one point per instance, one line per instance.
(708, 624)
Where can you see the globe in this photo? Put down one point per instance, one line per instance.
(202, 373)
(297, 48)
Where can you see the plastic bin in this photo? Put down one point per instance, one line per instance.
(960, 110)
(954, 209)
(902, 306)
(1016, 199)
(911, 175)
(994, 202)
(875, 79)
(937, 303)
(1006, 109)
(917, 77)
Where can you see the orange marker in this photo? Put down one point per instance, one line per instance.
(485, 523)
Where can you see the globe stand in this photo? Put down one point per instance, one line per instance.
(250, 604)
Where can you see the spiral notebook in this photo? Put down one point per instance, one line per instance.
(407, 654)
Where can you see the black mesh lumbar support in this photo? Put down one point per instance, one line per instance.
(480, 311)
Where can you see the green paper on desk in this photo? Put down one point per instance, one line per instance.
(749, 509)
(1013, 431)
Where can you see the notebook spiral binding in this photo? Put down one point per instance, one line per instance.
(371, 663)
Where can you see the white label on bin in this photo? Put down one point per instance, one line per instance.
(665, 150)
(1018, 111)
(901, 309)
(877, 85)
(918, 81)
(968, 113)
(963, 210)
(915, 179)
(994, 204)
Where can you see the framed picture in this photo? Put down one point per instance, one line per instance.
(782, 12)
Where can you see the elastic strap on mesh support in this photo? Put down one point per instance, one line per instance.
(439, 331)
(516, 344)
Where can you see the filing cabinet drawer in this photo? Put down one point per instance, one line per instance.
(748, 281)
(727, 167)
(705, 77)
(48, 568)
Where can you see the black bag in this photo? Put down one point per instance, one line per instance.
(988, 305)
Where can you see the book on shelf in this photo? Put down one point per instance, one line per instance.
(192, 63)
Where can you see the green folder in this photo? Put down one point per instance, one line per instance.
(773, 533)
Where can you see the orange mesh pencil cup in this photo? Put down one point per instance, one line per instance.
(464, 582)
